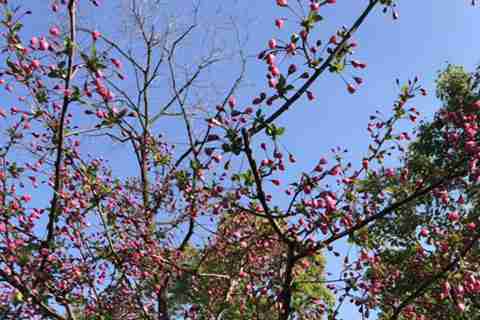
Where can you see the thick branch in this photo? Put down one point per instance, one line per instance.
(286, 297)
(260, 192)
(392, 208)
(58, 181)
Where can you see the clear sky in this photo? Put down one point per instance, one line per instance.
(428, 34)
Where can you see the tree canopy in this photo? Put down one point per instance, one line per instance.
(202, 219)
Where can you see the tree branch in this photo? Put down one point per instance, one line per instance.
(256, 129)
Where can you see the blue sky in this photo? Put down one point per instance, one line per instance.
(428, 35)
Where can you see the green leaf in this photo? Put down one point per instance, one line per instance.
(56, 73)
(248, 178)
(279, 131)
(18, 297)
(337, 66)
(76, 94)
(41, 96)
(310, 21)
(18, 26)
(12, 66)
(8, 16)
(281, 81)
(270, 130)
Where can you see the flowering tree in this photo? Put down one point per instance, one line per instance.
(202, 231)
(434, 241)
